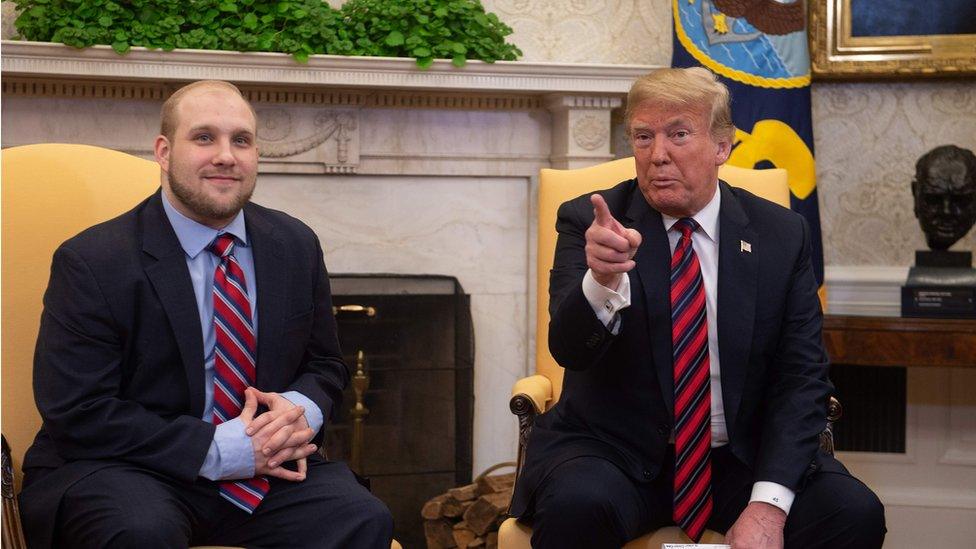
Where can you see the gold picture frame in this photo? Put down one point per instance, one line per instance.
(835, 54)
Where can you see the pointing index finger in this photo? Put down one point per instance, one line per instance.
(601, 211)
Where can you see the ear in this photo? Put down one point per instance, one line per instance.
(723, 148)
(161, 150)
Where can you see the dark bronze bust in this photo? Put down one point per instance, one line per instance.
(945, 195)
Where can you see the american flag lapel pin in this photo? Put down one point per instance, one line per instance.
(745, 247)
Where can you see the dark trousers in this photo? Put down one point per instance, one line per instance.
(126, 506)
(588, 502)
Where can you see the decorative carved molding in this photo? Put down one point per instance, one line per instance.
(82, 89)
(327, 124)
(604, 102)
(591, 132)
(86, 89)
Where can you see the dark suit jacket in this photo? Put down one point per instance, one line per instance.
(119, 365)
(617, 399)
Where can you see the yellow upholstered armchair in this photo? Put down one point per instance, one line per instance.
(51, 192)
(535, 394)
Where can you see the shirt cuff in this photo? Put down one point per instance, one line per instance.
(313, 414)
(230, 455)
(607, 303)
(773, 494)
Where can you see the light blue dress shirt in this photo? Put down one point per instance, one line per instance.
(231, 455)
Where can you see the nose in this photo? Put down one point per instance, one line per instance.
(659, 152)
(224, 155)
(950, 207)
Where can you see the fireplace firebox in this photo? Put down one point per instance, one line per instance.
(405, 422)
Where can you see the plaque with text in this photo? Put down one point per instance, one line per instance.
(939, 292)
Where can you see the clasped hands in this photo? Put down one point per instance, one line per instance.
(610, 247)
(279, 435)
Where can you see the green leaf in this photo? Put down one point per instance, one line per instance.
(228, 7)
(425, 62)
(458, 60)
(250, 21)
(395, 38)
(120, 47)
(421, 52)
(105, 21)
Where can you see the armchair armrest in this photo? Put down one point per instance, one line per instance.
(529, 398)
(834, 412)
(537, 389)
(13, 536)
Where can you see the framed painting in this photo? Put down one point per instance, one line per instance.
(856, 39)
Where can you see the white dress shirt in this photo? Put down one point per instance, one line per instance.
(607, 303)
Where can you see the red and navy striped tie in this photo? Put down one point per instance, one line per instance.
(692, 388)
(234, 360)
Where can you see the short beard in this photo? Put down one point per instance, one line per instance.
(198, 203)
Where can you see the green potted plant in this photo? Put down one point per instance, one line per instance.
(423, 29)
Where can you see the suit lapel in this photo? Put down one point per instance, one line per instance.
(167, 272)
(272, 282)
(653, 272)
(738, 272)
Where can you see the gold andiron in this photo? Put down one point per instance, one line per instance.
(360, 383)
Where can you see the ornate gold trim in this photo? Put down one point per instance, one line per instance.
(835, 54)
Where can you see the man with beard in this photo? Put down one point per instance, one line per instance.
(163, 332)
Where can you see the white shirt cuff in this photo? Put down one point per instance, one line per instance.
(773, 494)
(231, 455)
(312, 413)
(607, 303)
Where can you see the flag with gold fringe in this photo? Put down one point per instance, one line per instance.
(759, 49)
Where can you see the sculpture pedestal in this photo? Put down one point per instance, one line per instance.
(942, 284)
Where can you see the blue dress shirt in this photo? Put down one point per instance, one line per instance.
(231, 455)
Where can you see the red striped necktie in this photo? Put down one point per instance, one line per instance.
(692, 388)
(234, 360)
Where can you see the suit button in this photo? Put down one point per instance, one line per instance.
(663, 429)
(647, 474)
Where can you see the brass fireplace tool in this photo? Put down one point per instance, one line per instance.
(360, 384)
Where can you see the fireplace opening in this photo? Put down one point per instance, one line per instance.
(406, 418)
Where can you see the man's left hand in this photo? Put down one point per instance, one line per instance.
(760, 526)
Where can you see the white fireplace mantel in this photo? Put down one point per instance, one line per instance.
(578, 97)
(48, 60)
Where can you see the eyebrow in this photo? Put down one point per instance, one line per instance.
(206, 127)
(669, 126)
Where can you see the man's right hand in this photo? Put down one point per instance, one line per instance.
(610, 247)
(283, 426)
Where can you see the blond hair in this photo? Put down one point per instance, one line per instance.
(168, 120)
(694, 88)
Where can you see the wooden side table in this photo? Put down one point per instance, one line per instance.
(895, 341)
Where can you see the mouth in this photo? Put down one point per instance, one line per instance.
(663, 181)
(221, 179)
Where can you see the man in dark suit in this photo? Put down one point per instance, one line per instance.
(154, 324)
(686, 315)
